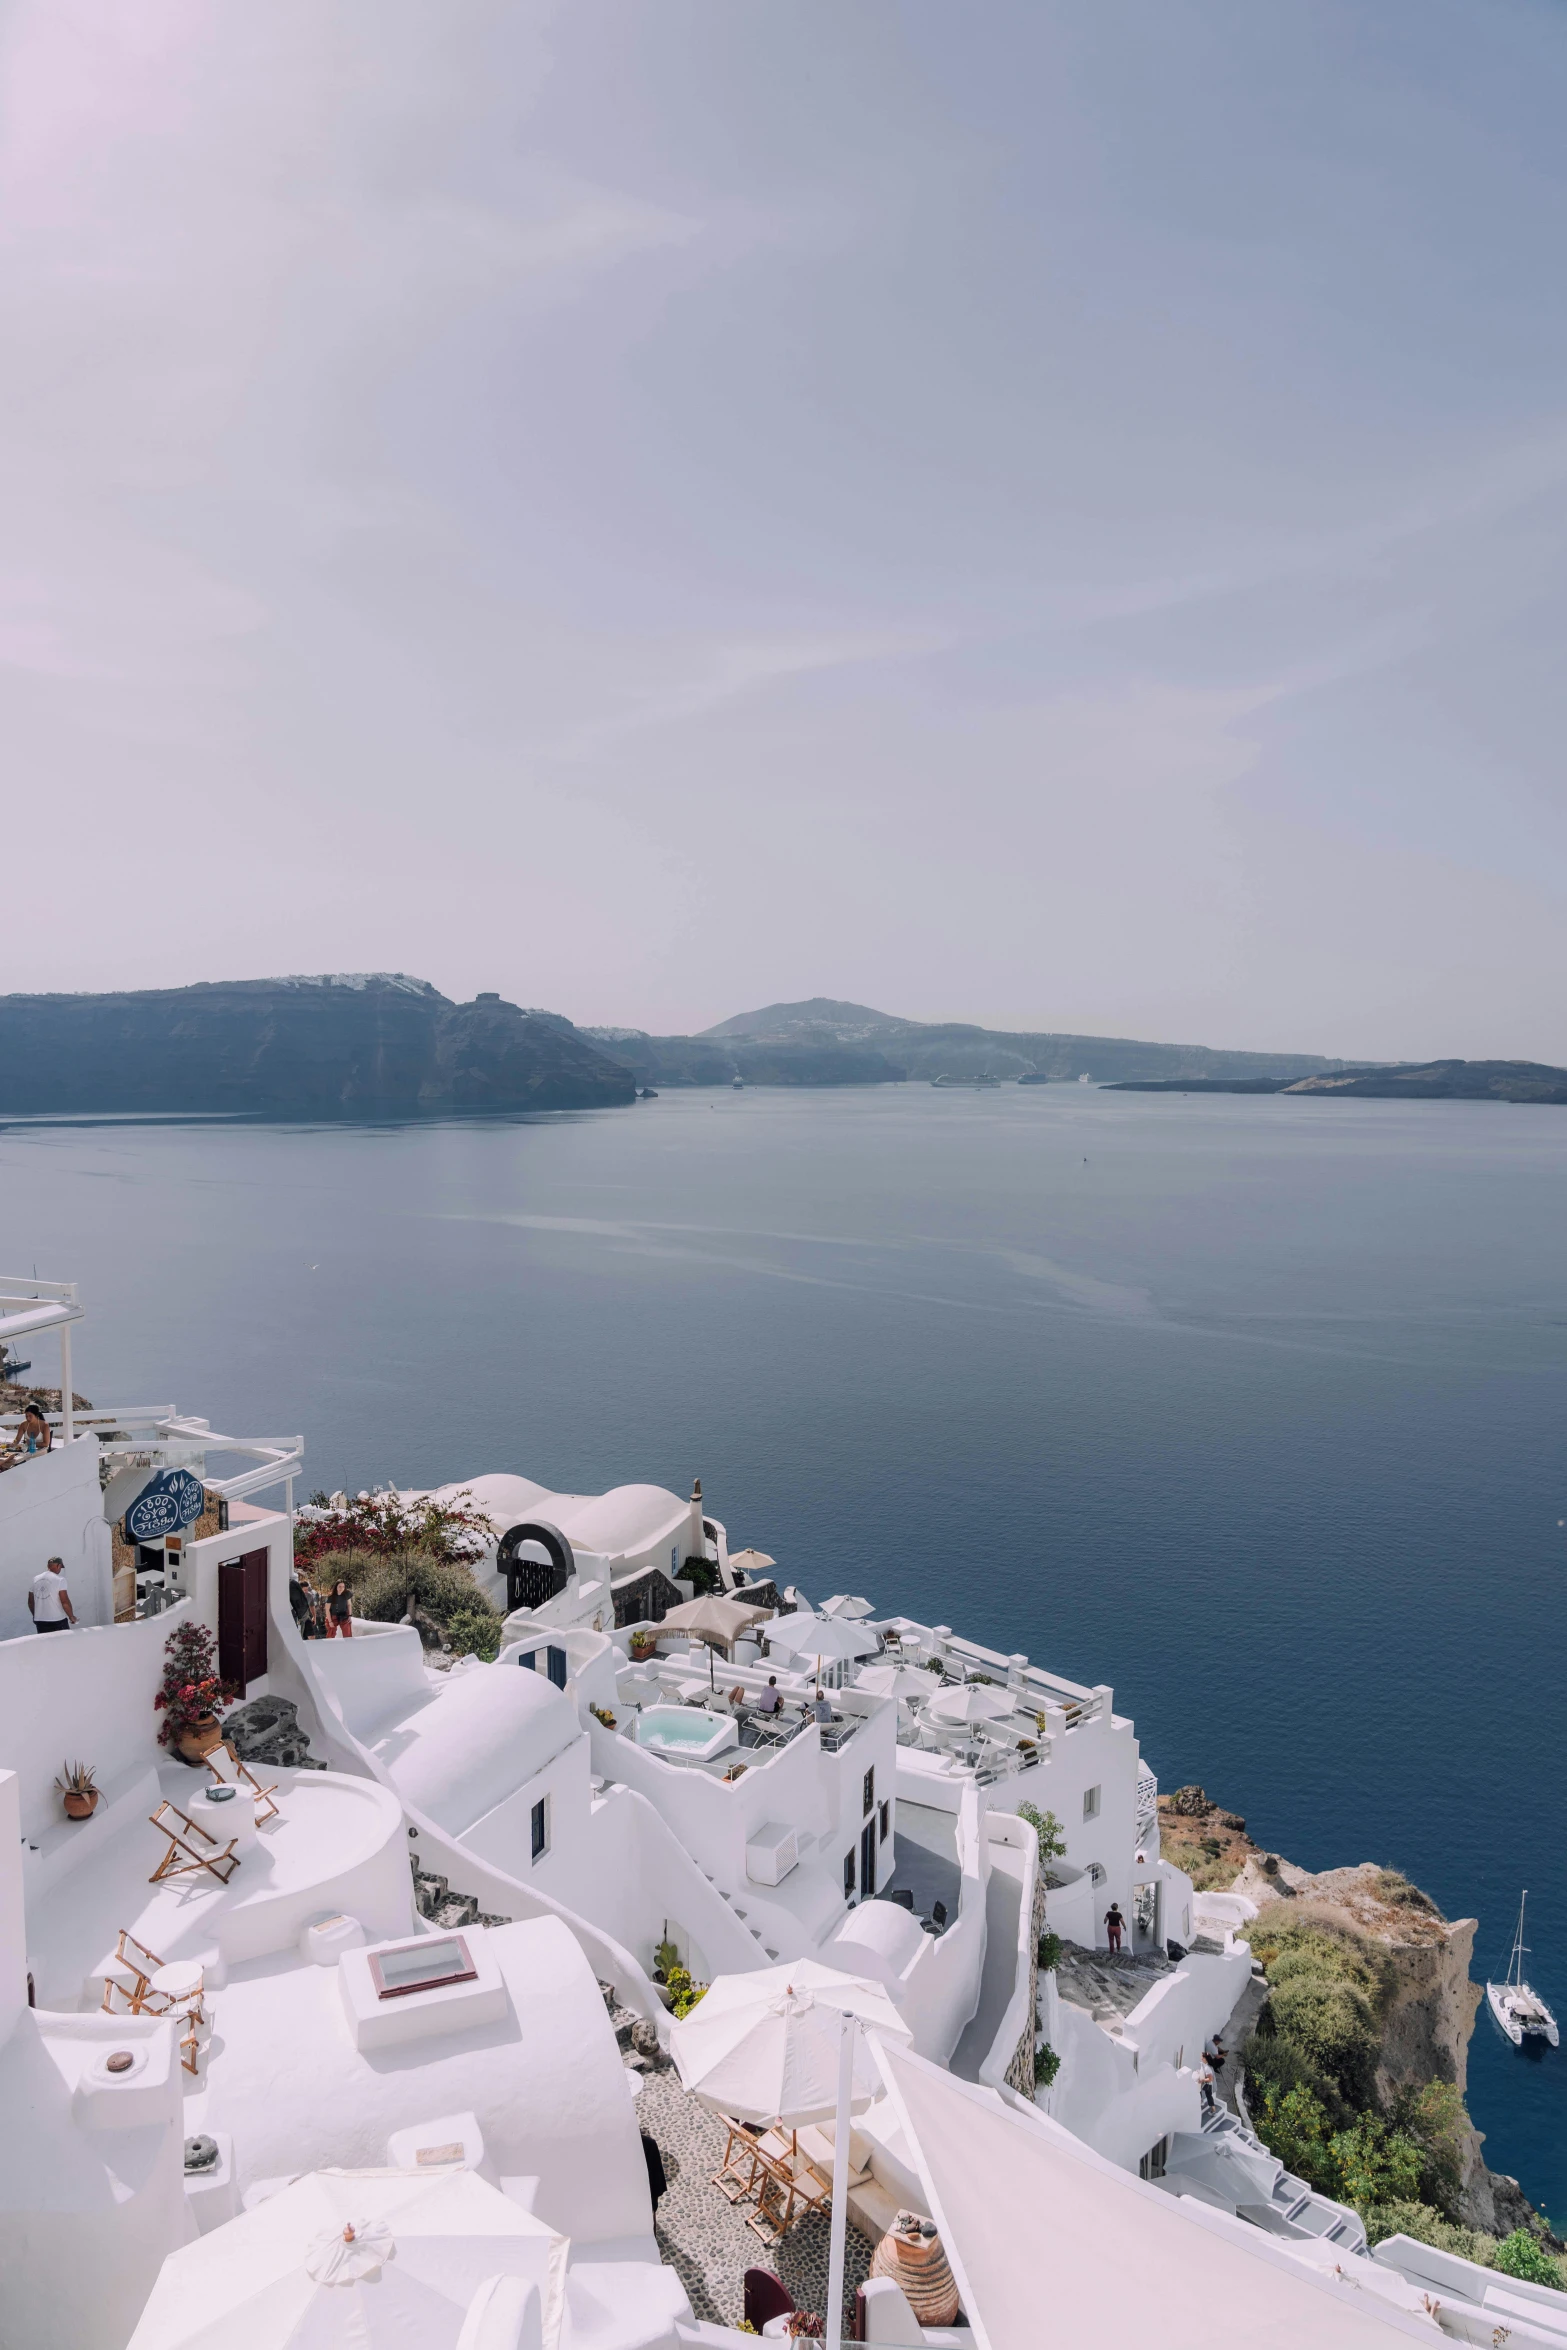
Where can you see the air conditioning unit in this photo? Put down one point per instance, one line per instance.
(771, 1853)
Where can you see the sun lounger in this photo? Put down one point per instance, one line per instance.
(244, 1777)
(156, 1986)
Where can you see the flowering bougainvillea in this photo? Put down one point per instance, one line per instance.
(386, 1525)
(192, 1686)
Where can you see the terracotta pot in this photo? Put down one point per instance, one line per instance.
(917, 2263)
(196, 1743)
(79, 1806)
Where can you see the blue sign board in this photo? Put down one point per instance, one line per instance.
(173, 1499)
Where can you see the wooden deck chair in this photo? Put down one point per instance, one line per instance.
(777, 2203)
(243, 1777)
(157, 1987)
(191, 1849)
(738, 2175)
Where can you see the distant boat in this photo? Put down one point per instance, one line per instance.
(1522, 2013)
(738, 1083)
(647, 1094)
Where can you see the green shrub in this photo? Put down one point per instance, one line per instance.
(1435, 2119)
(1333, 2027)
(475, 1631)
(1393, 1886)
(1522, 2255)
(1317, 1945)
(382, 1587)
(1046, 2065)
(1293, 2125)
(1427, 2227)
(1376, 2163)
(1049, 1952)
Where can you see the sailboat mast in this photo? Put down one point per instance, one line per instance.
(1515, 1971)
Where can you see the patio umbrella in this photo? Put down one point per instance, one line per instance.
(904, 1682)
(765, 2046)
(384, 2260)
(714, 1619)
(848, 1605)
(819, 1639)
(789, 2044)
(750, 1562)
(965, 1708)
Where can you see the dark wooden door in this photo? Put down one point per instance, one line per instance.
(867, 1860)
(242, 1618)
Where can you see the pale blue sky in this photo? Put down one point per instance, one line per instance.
(1043, 514)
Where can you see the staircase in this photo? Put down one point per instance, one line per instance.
(1225, 2163)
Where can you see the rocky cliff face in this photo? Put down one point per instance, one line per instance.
(376, 1045)
(1427, 2025)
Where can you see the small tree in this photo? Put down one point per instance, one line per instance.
(192, 1688)
(1522, 2255)
(1052, 1843)
(1047, 2064)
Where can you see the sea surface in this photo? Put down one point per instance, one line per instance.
(1251, 1407)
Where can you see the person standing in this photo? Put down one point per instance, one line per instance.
(1205, 2084)
(340, 1609)
(48, 1602)
(1115, 1926)
(299, 1602)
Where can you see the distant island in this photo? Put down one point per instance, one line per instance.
(381, 1044)
(825, 1042)
(1414, 1081)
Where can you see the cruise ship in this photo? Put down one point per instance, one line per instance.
(729, 1956)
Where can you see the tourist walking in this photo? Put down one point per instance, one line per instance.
(340, 1610)
(1115, 1925)
(299, 1600)
(1205, 2084)
(48, 1602)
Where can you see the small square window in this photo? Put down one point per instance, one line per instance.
(886, 1821)
(541, 1827)
(848, 1873)
(868, 1795)
(1091, 1803)
(421, 1966)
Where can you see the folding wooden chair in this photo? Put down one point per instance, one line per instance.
(776, 2200)
(189, 1840)
(243, 1777)
(156, 1987)
(738, 2173)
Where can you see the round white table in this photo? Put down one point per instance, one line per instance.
(232, 1818)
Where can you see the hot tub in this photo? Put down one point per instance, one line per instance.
(685, 1733)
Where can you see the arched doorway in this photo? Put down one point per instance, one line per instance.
(536, 1561)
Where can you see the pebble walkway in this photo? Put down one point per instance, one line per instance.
(703, 2236)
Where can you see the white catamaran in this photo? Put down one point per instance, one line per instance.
(1522, 2013)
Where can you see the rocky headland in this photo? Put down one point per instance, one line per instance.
(347, 1045)
(1407, 1964)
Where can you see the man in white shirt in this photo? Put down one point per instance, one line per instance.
(48, 1602)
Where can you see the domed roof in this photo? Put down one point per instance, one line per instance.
(486, 1735)
(876, 1940)
(502, 1498)
(627, 1518)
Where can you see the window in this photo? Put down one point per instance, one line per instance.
(1096, 1875)
(886, 1821)
(1091, 1803)
(848, 1874)
(541, 1827)
(868, 1795)
(555, 1666)
(421, 1966)
(1152, 2164)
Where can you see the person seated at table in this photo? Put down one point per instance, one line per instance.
(771, 1699)
(33, 1435)
(820, 1708)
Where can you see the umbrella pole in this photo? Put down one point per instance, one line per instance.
(840, 2183)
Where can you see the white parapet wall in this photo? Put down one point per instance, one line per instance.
(52, 1505)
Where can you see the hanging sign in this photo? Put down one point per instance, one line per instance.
(174, 1499)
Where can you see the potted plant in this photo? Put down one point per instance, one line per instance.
(191, 1694)
(644, 1645)
(78, 1790)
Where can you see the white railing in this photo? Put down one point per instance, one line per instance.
(278, 1457)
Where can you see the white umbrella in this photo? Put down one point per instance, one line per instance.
(750, 1562)
(905, 1682)
(764, 2047)
(822, 1639)
(848, 1605)
(966, 1707)
(382, 2260)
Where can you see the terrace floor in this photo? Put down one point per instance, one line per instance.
(925, 1857)
(703, 2236)
(1108, 1986)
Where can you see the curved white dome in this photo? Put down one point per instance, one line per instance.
(876, 1940)
(483, 1738)
(627, 1518)
(502, 1498)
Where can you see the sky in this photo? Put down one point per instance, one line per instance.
(1038, 514)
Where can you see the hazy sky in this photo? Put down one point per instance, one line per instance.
(1048, 512)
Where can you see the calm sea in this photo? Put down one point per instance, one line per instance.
(1252, 1408)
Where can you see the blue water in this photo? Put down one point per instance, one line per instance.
(1252, 1408)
